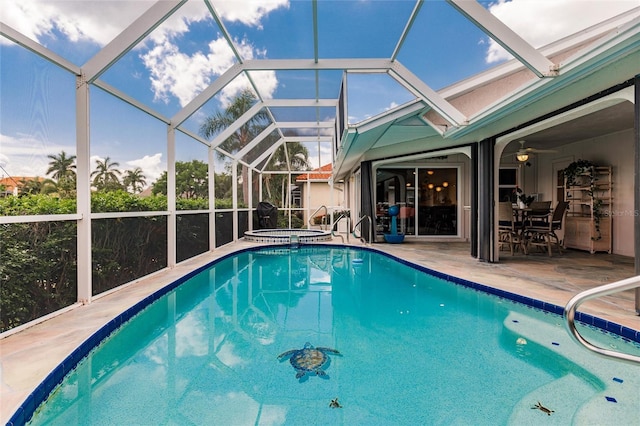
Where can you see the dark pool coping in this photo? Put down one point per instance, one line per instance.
(26, 410)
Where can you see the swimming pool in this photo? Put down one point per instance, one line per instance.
(414, 349)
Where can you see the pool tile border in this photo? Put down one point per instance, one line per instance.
(26, 410)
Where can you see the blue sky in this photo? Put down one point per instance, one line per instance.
(186, 53)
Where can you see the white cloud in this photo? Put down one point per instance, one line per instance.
(173, 73)
(27, 156)
(93, 21)
(23, 155)
(391, 106)
(541, 22)
(249, 12)
(151, 165)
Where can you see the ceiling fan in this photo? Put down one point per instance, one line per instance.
(523, 153)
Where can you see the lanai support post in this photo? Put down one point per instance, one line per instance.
(172, 224)
(473, 214)
(485, 194)
(83, 191)
(636, 186)
(367, 207)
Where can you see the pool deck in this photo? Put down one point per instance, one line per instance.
(28, 356)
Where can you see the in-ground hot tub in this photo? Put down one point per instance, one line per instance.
(284, 236)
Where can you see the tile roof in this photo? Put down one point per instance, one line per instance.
(322, 173)
(10, 183)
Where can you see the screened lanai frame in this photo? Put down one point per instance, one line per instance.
(440, 114)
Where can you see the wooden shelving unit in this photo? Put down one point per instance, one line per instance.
(582, 230)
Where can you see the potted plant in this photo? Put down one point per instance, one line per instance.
(583, 173)
(523, 199)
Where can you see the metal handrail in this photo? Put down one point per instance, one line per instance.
(335, 224)
(326, 213)
(572, 305)
(355, 227)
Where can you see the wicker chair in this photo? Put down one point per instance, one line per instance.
(509, 231)
(539, 214)
(543, 233)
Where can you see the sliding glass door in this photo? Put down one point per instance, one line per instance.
(438, 201)
(427, 197)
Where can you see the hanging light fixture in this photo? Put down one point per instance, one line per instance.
(445, 183)
(522, 156)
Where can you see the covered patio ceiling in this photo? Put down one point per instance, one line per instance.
(306, 82)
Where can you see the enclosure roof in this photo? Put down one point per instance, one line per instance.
(349, 80)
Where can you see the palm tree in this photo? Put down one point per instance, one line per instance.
(289, 156)
(106, 176)
(135, 180)
(223, 119)
(62, 169)
(61, 166)
(34, 186)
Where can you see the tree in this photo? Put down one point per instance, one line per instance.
(37, 186)
(134, 180)
(62, 169)
(289, 156)
(106, 177)
(191, 180)
(61, 166)
(247, 132)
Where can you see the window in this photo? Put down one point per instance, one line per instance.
(507, 183)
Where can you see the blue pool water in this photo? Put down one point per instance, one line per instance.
(414, 349)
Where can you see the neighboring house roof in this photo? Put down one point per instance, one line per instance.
(11, 183)
(322, 173)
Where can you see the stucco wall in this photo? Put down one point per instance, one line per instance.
(615, 150)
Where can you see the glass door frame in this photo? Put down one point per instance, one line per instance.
(417, 167)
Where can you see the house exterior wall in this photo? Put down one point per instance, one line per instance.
(319, 195)
(615, 150)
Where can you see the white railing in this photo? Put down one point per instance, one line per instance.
(324, 218)
(335, 227)
(358, 223)
(577, 300)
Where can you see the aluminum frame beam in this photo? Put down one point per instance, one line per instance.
(131, 101)
(271, 103)
(416, 86)
(259, 138)
(206, 94)
(223, 29)
(407, 29)
(37, 48)
(322, 139)
(241, 121)
(130, 37)
(267, 152)
(506, 37)
(305, 124)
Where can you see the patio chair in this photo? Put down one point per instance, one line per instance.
(544, 234)
(539, 213)
(509, 231)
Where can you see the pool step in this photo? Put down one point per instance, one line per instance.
(564, 396)
(607, 394)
